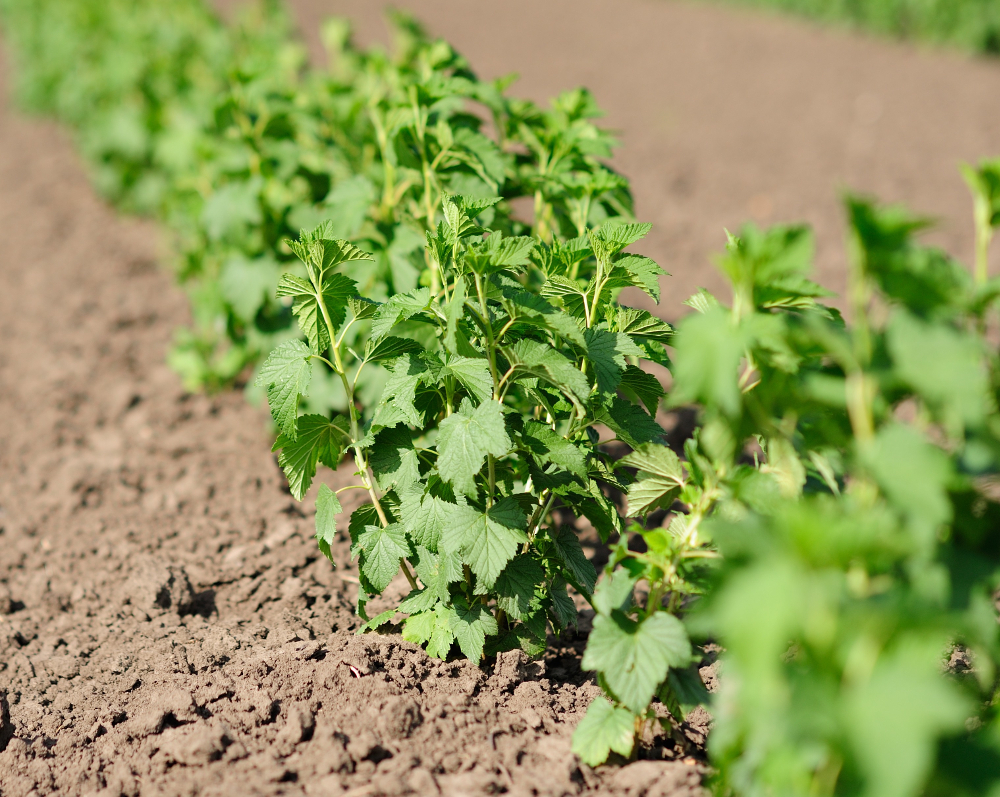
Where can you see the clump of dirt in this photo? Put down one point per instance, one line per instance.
(167, 625)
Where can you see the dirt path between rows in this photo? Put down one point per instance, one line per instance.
(166, 623)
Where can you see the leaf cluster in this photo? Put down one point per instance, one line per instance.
(486, 432)
(859, 550)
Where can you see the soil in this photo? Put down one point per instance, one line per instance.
(167, 626)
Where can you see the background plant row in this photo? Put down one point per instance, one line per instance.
(972, 25)
(835, 509)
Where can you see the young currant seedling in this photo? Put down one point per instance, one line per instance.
(482, 447)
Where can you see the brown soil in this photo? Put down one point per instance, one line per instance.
(166, 623)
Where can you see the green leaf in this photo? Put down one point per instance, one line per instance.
(604, 728)
(914, 476)
(362, 308)
(400, 390)
(945, 366)
(548, 446)
(569, 550)
(641, 324)
(442, 637)
(530, 308)
(472, 373)
(916, 706)
(454, 339)
(378, 621)
(347, 204)
(382, 548)
(563, 608)
(618, 235)
(707, 353)
(629, 422)
(606, 352)
(642, 272)
(661, 478)
(389, 347)
(337, 291)
(327, 508)
(424, 517)
(285, 374)
(393, 459)
(515, 586)
(614, 592)
(485, 541)
(437, 571)
(634, 657)
(465, 438)
(432, 628)
(471, 625)
(318, 439)
(399, 308)
(534, 359)
(643, 386)
(246, 284)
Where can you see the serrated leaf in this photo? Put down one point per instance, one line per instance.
(485, 541)
(531, 358)
(442, 636)
(382, 549)
(378, 621)
(568, 549)
(702, 301)
(617, 235)
(327, 508)
(390, 347)
(514, 589)
(399, 308)
(472, 373)
(603, 729)
(642, 272)
(424, 518)
(661, 478)
(285, 374)
(362, 308)
(563, 608)
(530, 308)
(318, 439)
(567, 293)
(643, 386)
(465, 438)
(401, 387)
(393, 459)
(642, 324)
(634, 657)
(471, 625)
(437, 571)
(606, 352)
(338, 289)
(630, 422)
(548, 446)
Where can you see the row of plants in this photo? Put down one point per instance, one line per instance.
(972, 25)
(229, 137)
(833, 520)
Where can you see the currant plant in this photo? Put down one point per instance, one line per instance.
(859, 554)
(374, 144)
(484, 439)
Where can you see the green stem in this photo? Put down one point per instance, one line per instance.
(984, 236)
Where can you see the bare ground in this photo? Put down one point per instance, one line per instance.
(166, 623)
